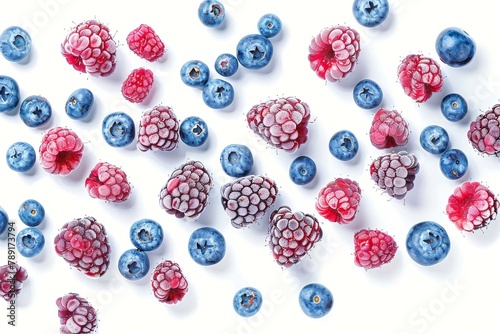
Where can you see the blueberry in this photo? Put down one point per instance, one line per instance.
(31, 212)
(454, 107)
(218, 93)
(370, 13)
(195, 73)
(254, 51)
(207, 246)
(269, 25)
(4, 220)
(343, 145)
(211, 13)
(133, 264)
(226, 64)
(79, 103)
(9, 94)
(118, 129)
(21, 157)
(455, 47)
(236, 160)
(302, 170)
(146, 234)
(453, 164)
(315, 300)
(35, 111)
(30, 241)
(193, 131)
(427, 243)
(434, 139)
(247, 301)
(367, 94)
(15, 43)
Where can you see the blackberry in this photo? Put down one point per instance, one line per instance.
(484, 132)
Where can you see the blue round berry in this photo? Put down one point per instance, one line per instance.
(218, 94)
(211, 13)
(254, 51)
(35, 111)
(236, 160)
(343, 145)
(315, 300)
(193, 131)
(367, 94)
(226, 64)
(370, 13)
(146, 234)
(434, 139)
(15, 43)
(455, 47)
(453, 164)
(21, 157)
(30, 241)
(79, 103)
(302, 170)
(427, 243)
(269, 25)
(31, 212)
(195, 73)
(247, 301)
(4, 220)
(454, 107)
(118, 129)
(9, 94)
(207, 246)
(133, 264)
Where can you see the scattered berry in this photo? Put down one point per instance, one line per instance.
(137, 85)
(168, 282)
(254, 51)
(4, 220)
(367, 94)
(158, 129)
(146, 235)
(108, 182)
(434, 139)
(315, 300)
(9, 94)
(373, 248)
(76, 315)
(145, 43)
(79, 103)
(218, 94)
(193, 131)
(338, 201)
(343, 145)
(427, 243)
(388, 129)
(60, 151)
(211, 13)
(15, 43)
(269, 25)
(484, 132)
(226, 64)
(454, 107)
(207, 246)
(30, 241)
(21, 157)
(453, 163)
(236, 160)
(455, 47)
(35, 111)
(31, 212)
(118, 129)
(420, 77)
(12, 277)
(195, 73)
(302, 170)
(247, 301)
(370, 13)
(133, 264)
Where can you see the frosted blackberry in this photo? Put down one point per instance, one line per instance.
(12, 277)
(158, 129)
(484, 132)
(76, 314)
(168, 282)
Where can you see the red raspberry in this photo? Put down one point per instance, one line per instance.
(89, 48)
(373, 248)
(158, 129)
(420, 77)
(137, 85)
(108, 182)
(145, 43)
(472, 206)
(168, 283)
(60, 151)
(388, 129)
(334, 52)
(484, 132)
(338, 201)
(12, 277)
(76, 314)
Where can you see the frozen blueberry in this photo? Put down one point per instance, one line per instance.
(254, 51)
(15, 43)
(31, 212)
(118, 129)
(226, 64)
(370, 13)
(453, 164)
(302, 170)
(9, 94)
(455, 47)
(195, 73)
(4, 220)
(193, 131)
(247, 301)
(343, 145)
(79, 103)
(207, 246)
(367, 94)
(133, 264)
(21, 157)
(218, 94)
(454, 107)
(315, 300)
(146, 234)
(434, 139)
(211, 13)
(35, 111)
(236, 160)
(269, 25)
(427, 243)
(30, 241)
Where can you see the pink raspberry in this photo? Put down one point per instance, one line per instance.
(108, 182)
(158, 129)
(373, 248)
(76, 315)
(12, 277)
(168, 282)
(60, 151)
(90, 48)
(338, 201)
(137, 85)
(388, 129)
(420, 77)
(145, 43)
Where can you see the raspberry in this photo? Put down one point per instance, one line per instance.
(185, 194)
(484, 132)
(420, 77)
(248, 198)
(108, 182)
(12, 277)
(282, 122)
(158, 129)
(76, 314)
(334, 52)
(145, 43)
(89, 48)
(137, 85)
(338, 201)
(373, 248)
(395, 173)
(388, 129)
(292, 235)
(60, 151)
(472, 206)
(83, 243)
(168, 283)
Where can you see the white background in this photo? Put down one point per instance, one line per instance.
(459, 295)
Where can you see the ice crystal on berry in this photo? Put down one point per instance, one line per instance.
(388, 129)
(76, 315)
(420, 77)
(484, 132)
(158, 129)
(373, 248)
(137, 85)
(168, 282)
(12, 277)
(60, 151)
(108, 182)
(145, 43)
(338, 201)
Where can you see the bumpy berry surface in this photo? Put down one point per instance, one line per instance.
(76, 315)
(79, 103)
(108, 182)
(61, 151)
(15, 43)
(338, 201)
(11, 273)
(133, 264)
(453, 163)
(455, 47)
(145, 43)
(315, 300)
(247, 301)
(168, 282)
(137, 85)
(420, 76)
(207, 246)
(158, 129)
(388, 129)
(9, 94)
(484, 132)
(427, 243)
(373, 248)
(30, 242)
(21, 157)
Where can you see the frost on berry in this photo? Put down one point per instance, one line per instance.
(420, 77)
(388, 129)
(338, 201)
(76, 315)
(12, 277)
(137, 85)
(168, 282)
(60, 151)
(145, 43)
(108, 182)
(158, 129)
(373, 248)
(484, 132)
